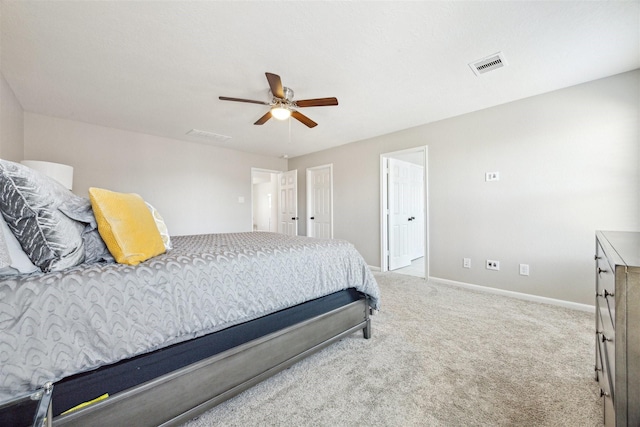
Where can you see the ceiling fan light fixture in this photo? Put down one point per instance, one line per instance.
(280, 112)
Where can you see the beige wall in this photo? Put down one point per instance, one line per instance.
(11, 124)
(569, 163)
(196, 187)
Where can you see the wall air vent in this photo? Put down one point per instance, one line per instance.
(490, 63)
(203, 134)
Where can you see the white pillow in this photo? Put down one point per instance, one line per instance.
(20, 262)
(5, 258)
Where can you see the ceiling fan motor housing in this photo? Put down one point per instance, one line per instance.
(288, 94)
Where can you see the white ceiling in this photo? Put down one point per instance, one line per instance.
(159, 67)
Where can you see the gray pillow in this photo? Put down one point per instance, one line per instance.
(29, 202)
(95, 249)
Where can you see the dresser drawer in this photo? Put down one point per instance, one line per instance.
(606, 350)
(605, 373)
(605, 288)
(604, 320)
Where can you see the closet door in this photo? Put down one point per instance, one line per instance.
(288, 203)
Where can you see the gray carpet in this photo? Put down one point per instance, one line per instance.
(439, 356)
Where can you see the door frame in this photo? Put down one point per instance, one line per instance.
(384, 211)
(310, 195)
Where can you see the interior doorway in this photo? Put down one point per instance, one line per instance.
(404, 233)
(274, 201)
(264, 199)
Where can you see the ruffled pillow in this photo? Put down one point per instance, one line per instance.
(162, 227)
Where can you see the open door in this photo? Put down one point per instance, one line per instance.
(399, 214)
(288, 203)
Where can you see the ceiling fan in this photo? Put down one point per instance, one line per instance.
(282, 104)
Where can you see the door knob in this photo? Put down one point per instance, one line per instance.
(410, 219)
(295, 218)
(313, 217)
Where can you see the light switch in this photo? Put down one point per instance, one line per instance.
(492, 176)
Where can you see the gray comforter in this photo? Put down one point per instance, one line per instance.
(57, 324)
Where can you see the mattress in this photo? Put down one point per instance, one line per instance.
(132, 372)
(58, 324)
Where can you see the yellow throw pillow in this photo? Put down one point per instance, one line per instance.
(126, 226)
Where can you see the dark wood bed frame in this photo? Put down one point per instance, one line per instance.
(181, 395)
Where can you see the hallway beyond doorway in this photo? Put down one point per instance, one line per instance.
(415, 269)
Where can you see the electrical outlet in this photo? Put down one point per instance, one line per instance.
(466, 262)
(492, 176)
(493, 265)
(524, 269)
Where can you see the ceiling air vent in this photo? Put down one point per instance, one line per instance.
(215, 137)
(489, 63)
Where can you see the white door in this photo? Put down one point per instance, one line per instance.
(416, 210)
(399, 213)
(288, 203)
(320, 201)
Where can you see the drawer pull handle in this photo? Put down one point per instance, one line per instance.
(603, 393)
(601, 270)
(605, 339)
(605, 294)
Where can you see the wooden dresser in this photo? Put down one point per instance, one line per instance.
(618, 326)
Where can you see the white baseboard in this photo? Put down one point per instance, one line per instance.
(373, 268)
(519, 295)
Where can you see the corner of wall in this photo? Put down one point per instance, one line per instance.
(11, 123)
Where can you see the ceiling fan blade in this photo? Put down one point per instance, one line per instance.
(262, 120)
(226, 98)
(275, 84)
(303, 119)
(318, 102)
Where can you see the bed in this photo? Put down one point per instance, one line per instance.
(173, 336)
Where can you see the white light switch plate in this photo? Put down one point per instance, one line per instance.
(492, 176)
